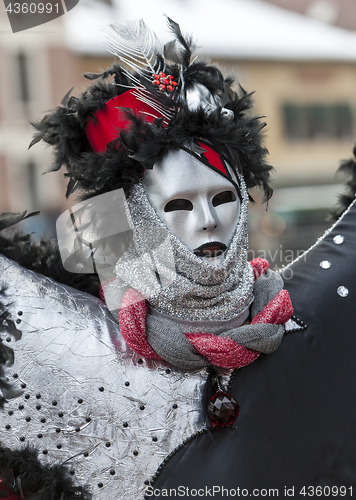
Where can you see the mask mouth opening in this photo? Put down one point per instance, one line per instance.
(210, 249)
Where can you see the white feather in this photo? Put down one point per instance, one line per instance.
(144, 96)
(135, 45)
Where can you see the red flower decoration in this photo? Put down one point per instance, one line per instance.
(165, 83)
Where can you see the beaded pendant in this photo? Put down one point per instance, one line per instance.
(222, 410)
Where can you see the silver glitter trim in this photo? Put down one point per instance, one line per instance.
(338, 239)
(343, 291)
(325, 264)
(292, 325)
(319, 240)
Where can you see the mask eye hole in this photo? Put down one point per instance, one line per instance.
(224, 197)
(178, 204)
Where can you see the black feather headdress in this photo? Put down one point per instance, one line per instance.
(137, 111)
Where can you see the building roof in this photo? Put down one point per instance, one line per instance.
(236, 29)
(338, 12)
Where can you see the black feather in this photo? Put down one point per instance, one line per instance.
(34, 141)
(41, 256)
(187, 45)
(65, 99)
(8, 219)
(92, 76)
(131, 151)
(240, 140)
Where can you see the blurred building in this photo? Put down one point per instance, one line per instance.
(36, 67)
(337, 12)
(302, 69)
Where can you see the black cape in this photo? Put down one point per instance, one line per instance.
(296, 428)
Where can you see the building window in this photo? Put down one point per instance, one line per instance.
(32, 183)
(318, 121)
(23, 78)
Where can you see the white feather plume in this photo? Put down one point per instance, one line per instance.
(135, 45)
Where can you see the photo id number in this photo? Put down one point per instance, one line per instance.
(326, 491)
(32, 8)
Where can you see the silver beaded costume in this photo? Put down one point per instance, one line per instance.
(86, 399)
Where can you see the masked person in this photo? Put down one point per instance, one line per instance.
(141, 396)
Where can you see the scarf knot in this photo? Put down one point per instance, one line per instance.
(160, 338)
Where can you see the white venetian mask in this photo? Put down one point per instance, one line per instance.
(199, 206)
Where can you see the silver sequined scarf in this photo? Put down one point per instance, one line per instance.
(176, 282)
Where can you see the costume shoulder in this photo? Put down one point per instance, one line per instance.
(79, 398)
(296, 425)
